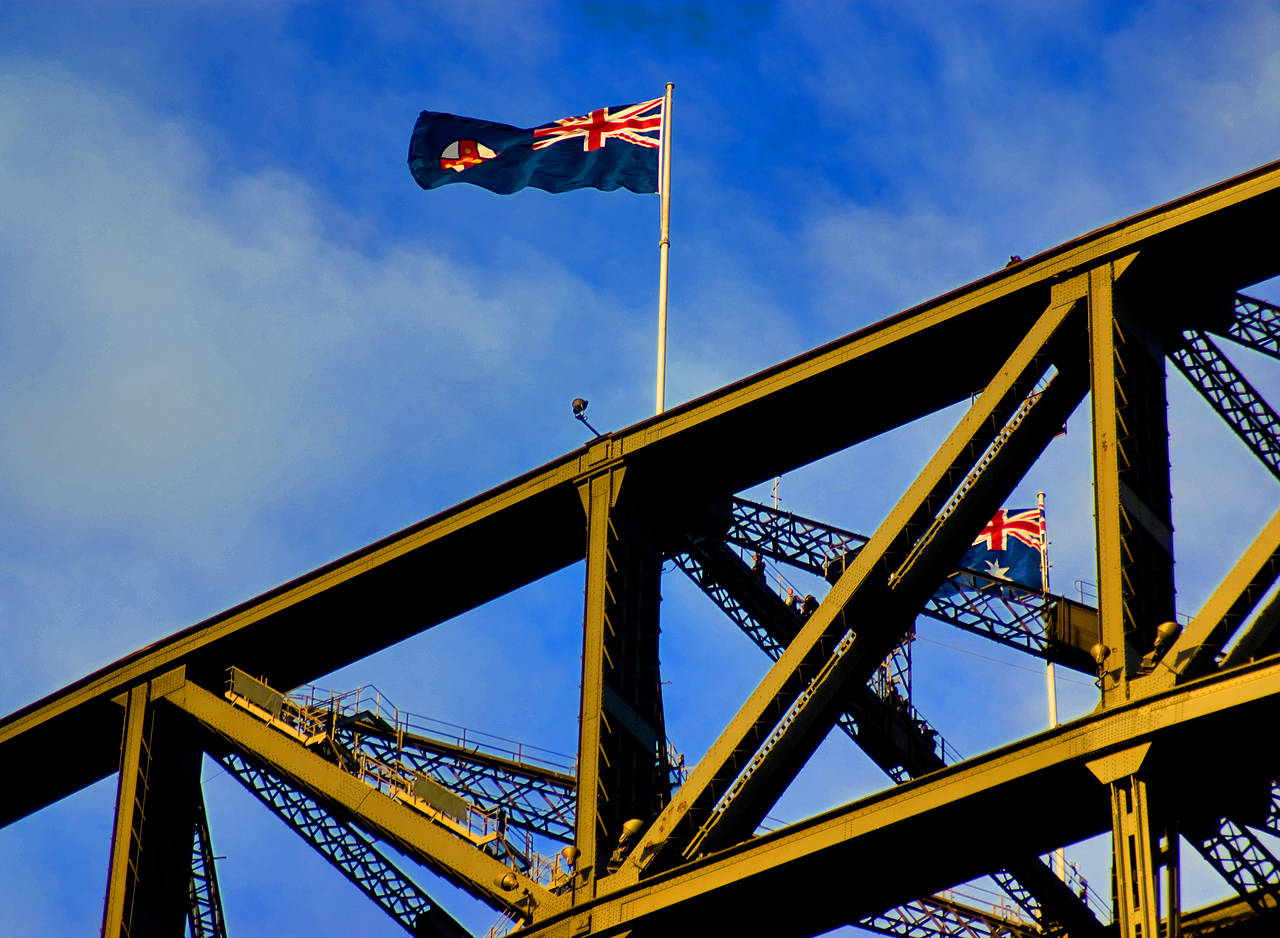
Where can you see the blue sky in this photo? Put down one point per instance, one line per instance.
(237, 341)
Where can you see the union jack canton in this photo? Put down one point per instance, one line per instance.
(632, 123)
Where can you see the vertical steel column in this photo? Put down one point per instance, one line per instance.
(622, 757)
(156, 803)
(1171, 857)
(131, 793)
(1135, 853)
(1135, 866)
(1131, 482)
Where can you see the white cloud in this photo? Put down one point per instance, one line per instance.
(187, 350)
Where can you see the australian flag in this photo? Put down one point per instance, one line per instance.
(609, 148)
(1008, 548)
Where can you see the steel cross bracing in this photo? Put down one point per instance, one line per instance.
(1270, 822)
(355, 729)
(1096, 316)
(935, 917)
(1243, 861)
(1043, 624)
(730, 790)
(533, 800)
(1254, 324)
(896, 737)
(347, 849)
(204, 916)
(531, 787)
(887, 727)
(939, 917)
(1232, 396)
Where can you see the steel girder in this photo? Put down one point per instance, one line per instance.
(157, 812)
(1208, 240)
(1046, 625)
(1232, 396)
(887, 728)
(623, 776)
(1270, 822)
(204, 913)
(877, 836)
(1254, 324)
(1243, 861)
(507, 890)
(939, 917)
(731, 789)
(535, 800)
(347, 849)
(897, 738)
(975, 325)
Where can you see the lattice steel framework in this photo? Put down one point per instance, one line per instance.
(1232, 396)
(347, 849)
(1171, 748)
(204, 917)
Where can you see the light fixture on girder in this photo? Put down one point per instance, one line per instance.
(580, 413)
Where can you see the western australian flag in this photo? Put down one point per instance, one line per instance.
(1008, 548)
(609, 148)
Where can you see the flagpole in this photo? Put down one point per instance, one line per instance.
(664, 246)
(1059, 858)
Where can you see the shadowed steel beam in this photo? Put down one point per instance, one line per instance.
(1195, 650)
(411, 833)
(938, 917)
(204, 914)
(1230, 918)
(1243, 861)
(1255, 325)
(795, 704)
(347, 850)
(122, 876)
(622, 755)
(1030, 882)
(879, 836)
(1259, 639)
(1232, 396)
(896, 738)
(1132, 496)
(1271, 821)
(148, 886)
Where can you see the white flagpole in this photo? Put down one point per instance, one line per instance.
(1059, 858)
(664, 244)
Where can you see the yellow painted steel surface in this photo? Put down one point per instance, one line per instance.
(1200, 248)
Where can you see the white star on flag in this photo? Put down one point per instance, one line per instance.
(996, 570)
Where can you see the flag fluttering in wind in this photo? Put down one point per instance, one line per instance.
(609, 148)
(1008, 548)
